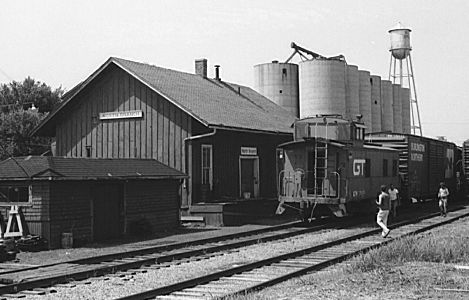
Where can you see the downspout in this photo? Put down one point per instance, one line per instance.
(188, 148)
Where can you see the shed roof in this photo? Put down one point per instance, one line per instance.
(214, 103)
(67, 168)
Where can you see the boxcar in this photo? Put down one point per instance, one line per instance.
(423, 163)
(328, 165)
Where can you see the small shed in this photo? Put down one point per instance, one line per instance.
(94, 199)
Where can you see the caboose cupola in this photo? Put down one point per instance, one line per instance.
(329, 127)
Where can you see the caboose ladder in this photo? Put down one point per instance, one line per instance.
(320, 162)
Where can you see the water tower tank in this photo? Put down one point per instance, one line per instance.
(386, 106)
(352, 94)
(279, 83)
(375, 103)
(405, 104)
(365, 97)
(397, 108)
(322, 87)
(400, 41)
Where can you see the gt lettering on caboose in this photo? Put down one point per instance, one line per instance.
(359, 167)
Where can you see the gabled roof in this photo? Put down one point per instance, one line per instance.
(214, 103)
(67, 168)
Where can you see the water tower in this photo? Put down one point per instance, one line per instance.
(401, 71)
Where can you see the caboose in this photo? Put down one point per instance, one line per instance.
(328, 167)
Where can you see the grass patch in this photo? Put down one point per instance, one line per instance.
(432, 247)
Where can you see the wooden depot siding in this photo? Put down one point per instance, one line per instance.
(159, 134)
(226, 147)
(67, 206)
(36, 213)
(37, 216)
(156, 204)
(70, 211)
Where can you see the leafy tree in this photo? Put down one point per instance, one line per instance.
(18, 116)
(15, 129)
(24, 94)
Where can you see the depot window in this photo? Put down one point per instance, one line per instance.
(207, 163)
(20, 194)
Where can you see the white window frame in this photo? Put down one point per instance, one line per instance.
(209, 148)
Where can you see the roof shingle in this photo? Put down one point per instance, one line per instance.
(210, 101)
(67, 168)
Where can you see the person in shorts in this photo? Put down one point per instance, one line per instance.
(443, 194)
(384, 204)
(394, 196)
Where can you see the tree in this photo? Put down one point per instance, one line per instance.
(15, 129)
(28, 93)
(18, 118)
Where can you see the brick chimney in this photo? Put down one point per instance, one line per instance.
(201, 67)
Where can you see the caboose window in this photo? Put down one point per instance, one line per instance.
(207, 173)
(367, 167)
(385, 168)
(394, 167)
(359, 134)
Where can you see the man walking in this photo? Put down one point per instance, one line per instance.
(384, 204)
(443, 194)
(394, 196)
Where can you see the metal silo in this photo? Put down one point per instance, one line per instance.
(352, 94)
(405, 104)
(322, 87)
(279, 83)
(396, 108)
(365, 97)
(375, 103)
(387, 120)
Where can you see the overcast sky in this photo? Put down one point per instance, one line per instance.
(62, 42)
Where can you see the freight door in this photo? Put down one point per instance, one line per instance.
(106, 211)
(249, 177)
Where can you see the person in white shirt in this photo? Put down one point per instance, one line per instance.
(443, 194)
(394, 196)
(383, 203)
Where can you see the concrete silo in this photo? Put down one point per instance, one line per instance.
(279, 83)
(375, 103)
(396, 108)
(365, 97)
(322, 87)
(352, 94)
(405, 105)
(387, 119)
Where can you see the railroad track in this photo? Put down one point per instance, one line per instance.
(260, 274)
(33, 279)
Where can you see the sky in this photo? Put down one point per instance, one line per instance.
(61, 42)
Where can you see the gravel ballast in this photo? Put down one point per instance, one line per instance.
(110, 287)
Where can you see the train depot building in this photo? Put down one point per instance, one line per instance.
(92, 199)
(223, 136)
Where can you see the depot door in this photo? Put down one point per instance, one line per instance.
(249, 177)
(107, 201)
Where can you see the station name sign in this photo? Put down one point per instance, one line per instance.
(121, 115)
(248, 151)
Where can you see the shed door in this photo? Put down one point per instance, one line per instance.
(106, 211)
